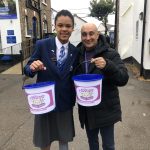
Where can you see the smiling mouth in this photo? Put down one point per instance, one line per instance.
(64, 36)
(88, 43)
(64, 33)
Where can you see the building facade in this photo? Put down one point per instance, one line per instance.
(134, 35)
(28, 20)
(35, 20)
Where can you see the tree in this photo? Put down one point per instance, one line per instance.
(101, 9)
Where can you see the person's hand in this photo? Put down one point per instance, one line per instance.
(37, 66)
(100, 62)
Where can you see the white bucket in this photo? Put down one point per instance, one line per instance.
(41, 97)
(88, 89)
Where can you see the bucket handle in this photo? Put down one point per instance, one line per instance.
(86, 61)
(24, 78)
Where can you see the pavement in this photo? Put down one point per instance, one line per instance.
(16, 69)
(16, 122)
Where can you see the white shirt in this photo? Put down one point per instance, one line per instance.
(58, 47)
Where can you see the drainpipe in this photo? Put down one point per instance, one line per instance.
(143, 38)
(40, 23)
(116, 24)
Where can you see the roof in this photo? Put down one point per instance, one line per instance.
(75, 15)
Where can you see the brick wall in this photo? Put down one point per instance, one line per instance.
(45, 15)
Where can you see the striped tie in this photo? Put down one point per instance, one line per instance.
(61, 57)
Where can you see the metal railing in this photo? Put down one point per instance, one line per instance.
(22, 50)
(11, 50)
(25, 53)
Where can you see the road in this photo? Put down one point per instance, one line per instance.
(16, 122)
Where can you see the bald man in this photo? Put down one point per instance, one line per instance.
(101, 59)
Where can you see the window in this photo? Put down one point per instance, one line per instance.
(137, 29)
(45, 26)
(44, 2)
(27, 26)
(35, 29)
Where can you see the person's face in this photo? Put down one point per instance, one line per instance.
(64, 28)
(89, 36)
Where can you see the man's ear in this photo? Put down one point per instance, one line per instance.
(98, 33)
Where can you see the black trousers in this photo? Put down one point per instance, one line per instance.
(107, 135)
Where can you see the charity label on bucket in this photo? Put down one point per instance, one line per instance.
(41, 97)
(88, 89)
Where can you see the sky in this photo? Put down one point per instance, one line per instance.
(79, 7)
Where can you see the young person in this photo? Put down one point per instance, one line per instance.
(106, 61)
(54, 59)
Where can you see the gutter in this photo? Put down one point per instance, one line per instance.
(40, 17)
(143, 38)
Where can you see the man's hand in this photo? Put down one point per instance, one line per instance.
(37, 66)
(99, 62)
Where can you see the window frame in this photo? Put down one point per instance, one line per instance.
(27, 26)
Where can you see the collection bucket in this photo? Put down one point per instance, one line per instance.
(88, 89)
(41, 97)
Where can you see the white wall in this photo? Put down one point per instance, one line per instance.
(11, 24)
(76, 34)
(146, 62)
(125, 45)
(130, 37)
(137, 35)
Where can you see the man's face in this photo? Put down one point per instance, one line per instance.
(64, 28)
(89, 36)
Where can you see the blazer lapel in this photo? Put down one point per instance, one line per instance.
(51, 58)
(68, 64)
(52, 65)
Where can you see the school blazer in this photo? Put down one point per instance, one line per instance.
(45, 51)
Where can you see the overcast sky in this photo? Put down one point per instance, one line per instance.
(79, 7)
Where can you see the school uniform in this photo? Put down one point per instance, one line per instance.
(58, 124)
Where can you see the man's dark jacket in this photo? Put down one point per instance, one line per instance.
(115, 74)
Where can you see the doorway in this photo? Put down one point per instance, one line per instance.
(34, 25)
(0, 43)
